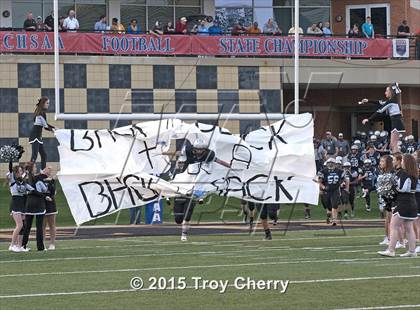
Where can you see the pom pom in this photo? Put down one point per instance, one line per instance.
(396, 88)
(11, 152)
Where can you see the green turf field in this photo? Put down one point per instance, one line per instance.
(214, 209)
(326, 270)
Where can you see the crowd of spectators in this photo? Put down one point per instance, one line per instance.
(204, 26)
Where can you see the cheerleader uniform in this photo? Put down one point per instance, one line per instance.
(35, 206)
(418, 197)
(405, 205)
(393, 110)
(18, 189)
(50, 206)
(35, 138)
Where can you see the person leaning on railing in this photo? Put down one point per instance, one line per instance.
(181, 26)
(117, 27)
(169, 28)
(271, 27)
(314, 30)
(254, 29)
(354, 32)
(30, 23)
(133, 28)
(101, 25)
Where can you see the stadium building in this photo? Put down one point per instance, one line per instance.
(107, 73)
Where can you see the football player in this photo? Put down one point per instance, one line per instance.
(367, 175)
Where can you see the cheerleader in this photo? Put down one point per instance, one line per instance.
(19, 189)
(35, 206)
(417, 224)
(50, 207)
(405, 211)
(35, 137)
(386, 195)
(392, 108)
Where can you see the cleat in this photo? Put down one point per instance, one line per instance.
(16, 249)
(387, 252)
(409, 254)
(399, 245)
(268, 237)
(385, 241)
(368, 208)
(346, 216)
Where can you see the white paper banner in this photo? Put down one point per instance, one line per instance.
(103, 171)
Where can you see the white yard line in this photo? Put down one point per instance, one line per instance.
(383, 307)
(231, 285)
(292, 261)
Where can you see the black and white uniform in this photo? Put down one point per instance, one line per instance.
(355, 161)
(207, 156)
(385, 202)
(331, 179)
(368, 183)
(405, 205)
(374, 158)
(352, 177)
(409, 148)
(183, 205)
(19, 189)
(266, 210)
(418, 197)
(35, 138)
(50, 206)
(393, 110)
(35, 207)
(35, 202)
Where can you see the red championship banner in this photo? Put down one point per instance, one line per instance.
(124, 44)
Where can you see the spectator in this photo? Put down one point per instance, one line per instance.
(39, 24)
(354, 32)
(326, 30)
(254, 29)
(343, 147)
(202, 28)
(314, 30)
(61, 23)
(116, 27)
(367, 29)
(49, 22)
(238, 29)
(169, 28)
(292, 31)
(320, 25)
(100, 25)
(133, 28)
(271, 27)
(329, 145)
(181, 26)
(215, 29)
(157, 29)
(30, 23)
(71, 23)
(403, 30)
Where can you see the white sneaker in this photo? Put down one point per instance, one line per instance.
(51, 247)
(399, 245)
(16, 249)
(409, 254)
(387, 252)
(10, 247)
(384, 242)
(22, 249)
(184, 238)
(418, 249)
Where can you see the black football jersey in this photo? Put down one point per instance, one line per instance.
(355, 161)
(331, 179)
(370, 180)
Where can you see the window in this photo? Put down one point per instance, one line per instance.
(229, 12)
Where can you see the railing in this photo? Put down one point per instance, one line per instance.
(110, 43)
